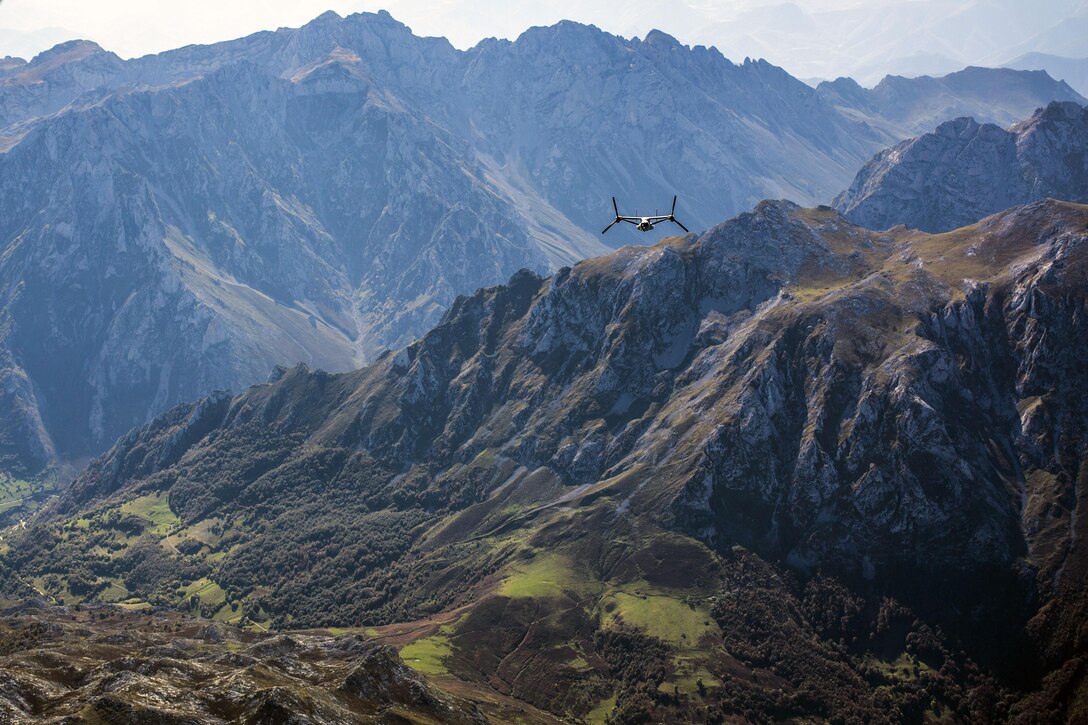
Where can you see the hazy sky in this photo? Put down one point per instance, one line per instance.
(810, 38)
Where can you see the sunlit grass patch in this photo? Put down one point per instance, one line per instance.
(207, 591)
(229, 615)
(548, 576)
(115, 592)
(201, 532)
(155, 509)
(216, 556)
(16, 493)
(13, 489)
(485, 458)
(599, 715)
(660, 615)
(428, 655)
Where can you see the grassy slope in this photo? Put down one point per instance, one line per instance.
(544, 574)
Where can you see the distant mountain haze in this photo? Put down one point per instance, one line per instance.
(1073, 71)
(183, 222)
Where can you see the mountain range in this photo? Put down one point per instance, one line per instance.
(812, 463)
(964, 171)
(812, 39)
(785, 468)
(1073, 71)
(179, 223)
(869, 40)
(907, 106)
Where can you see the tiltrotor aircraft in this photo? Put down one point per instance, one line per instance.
(644, 223)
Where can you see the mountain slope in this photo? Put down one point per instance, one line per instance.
(1073, 71)
(737, 453)
(137, 293)
(964, 171)
(182, 222)
(306, 195)
(54, 79)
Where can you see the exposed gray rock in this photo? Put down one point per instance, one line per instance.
(157, 674)
(184, 222)
(965, 170)
(54, 79)
(864, 398)
(904, 411)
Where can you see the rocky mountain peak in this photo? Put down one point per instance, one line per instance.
(380, 24)
(69, 51)
(961, 126)
(964, 170)
(1057, 120)
(322, 193)
(567, 43)
(328, 18)
(10, 63)
(661, 40)
(1059, 111)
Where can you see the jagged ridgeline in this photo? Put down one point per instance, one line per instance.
(964, 171)
(183, 222)
(789, 467)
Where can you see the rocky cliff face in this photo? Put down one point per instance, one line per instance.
(892, 409)
(965, 170)
(54, 79)
(182, 222)
(160, 244)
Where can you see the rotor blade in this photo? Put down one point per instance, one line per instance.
(673, 206)
(679, 225)
(615, 207)
(610, 226)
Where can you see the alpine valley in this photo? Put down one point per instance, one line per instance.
(788, 469)
(811, 464)
(180, 223)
